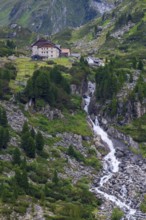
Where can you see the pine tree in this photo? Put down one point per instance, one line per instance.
(15, 190)
(32, 132)
(17, 156)
(24, 140)
(25, 128)
(24, 177)
(82, 60)
(21, 178)
(39, 141)
(55, 75)
(1, 89)
(134, 63)
(1, 137)
(30, 150)
(10, 44)
(71, 151)
(140, 65)
(55, 179)
(28, 145)
(6, 137)
(18, 176)
(23, 164)
(5, 194)
(3, 118)
(42, 86)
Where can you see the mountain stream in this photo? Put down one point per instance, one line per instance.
(110, 162)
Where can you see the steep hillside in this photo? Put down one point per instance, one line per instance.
(52, 154)
(120, 32)
(48, 158)
(51, 16)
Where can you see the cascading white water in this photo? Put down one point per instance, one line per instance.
(111, 163)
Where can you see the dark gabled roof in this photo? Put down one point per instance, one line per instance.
(39, 42)
(44, 43)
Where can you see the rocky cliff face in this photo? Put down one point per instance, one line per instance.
(52, 16)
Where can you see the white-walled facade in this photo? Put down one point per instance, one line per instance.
(45, 49)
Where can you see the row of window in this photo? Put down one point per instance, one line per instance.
(46, 52)
(47, 49)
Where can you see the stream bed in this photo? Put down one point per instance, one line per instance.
(111, 168)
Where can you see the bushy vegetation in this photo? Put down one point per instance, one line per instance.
(76, 154)
(30, 141)
(92, 161)
(37, 170)
(137, 129)
(143, 205)
(60, 196)
(7, 48)
(80, 71)
(117, 214)
(4, 130)
(139, 92)
(7, 73)
(48, 85)
(109, 80)
(75, 123)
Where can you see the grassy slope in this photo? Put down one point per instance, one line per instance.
(84, 39)
(25, 67)
(40, 170)
(5, 9)
(21, 36)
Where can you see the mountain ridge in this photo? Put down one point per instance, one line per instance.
(122, 31)
(51, 16)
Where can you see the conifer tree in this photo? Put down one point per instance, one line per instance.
(71, 151)
(17, 156)
(1, 137)
(55, 75)
(21, 178)
(55, 179)
(24, 177)
(5, 194)
(30, 150)
(140, 65)
(3, 118)
(18, 176)
(134, 63)
(1, 88)
(39, 141)
(6, 137)
(32, 132)
(24, 140)
(23, 164)
(25, 128)
(15, 189)
(27, 140)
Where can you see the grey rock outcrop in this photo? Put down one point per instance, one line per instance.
(51, 113)
(15, 116)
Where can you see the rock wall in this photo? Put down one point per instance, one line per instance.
(79, 89)
(126, 111)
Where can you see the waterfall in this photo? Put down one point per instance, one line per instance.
(110, 162)
(28, 105)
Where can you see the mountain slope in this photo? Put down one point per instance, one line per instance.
(51, 16)
(120, 32)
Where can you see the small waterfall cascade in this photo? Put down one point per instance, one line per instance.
(28, 105)
(110, 162)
